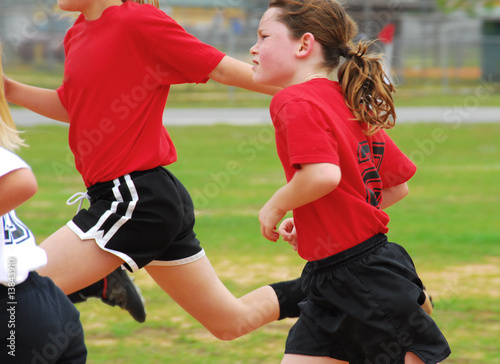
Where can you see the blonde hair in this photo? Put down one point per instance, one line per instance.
(152, 2)
(9, 136)
(366, 89)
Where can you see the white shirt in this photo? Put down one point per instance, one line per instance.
(19, 253)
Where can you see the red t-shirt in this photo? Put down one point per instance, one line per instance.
(117, 76)
(313, 125)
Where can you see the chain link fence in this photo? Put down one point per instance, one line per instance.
(430, 48)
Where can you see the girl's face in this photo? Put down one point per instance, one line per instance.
(92, 9)
(274, 52)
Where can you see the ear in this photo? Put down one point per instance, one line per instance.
(306, 44)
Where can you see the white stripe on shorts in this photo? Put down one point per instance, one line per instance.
(171, 263)
(98, 240)
(97, 234)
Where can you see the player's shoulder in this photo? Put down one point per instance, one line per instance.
(10, 162)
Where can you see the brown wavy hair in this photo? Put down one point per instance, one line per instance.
(152, 2)
(366, 89)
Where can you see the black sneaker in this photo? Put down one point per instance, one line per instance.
(120, 290)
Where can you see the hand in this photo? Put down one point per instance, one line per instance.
(288, 232)
(269, 217)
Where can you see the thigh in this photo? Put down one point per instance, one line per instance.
(196, 288)
(73, 263)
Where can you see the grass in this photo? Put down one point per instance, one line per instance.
(448, 223)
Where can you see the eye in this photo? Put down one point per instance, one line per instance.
(262, 35)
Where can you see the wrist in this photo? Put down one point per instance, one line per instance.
(274, 206)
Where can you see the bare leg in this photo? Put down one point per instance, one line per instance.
(74, 264)
(197, 289)
(304, 359)
(411, 358)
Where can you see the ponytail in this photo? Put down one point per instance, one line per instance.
(367, 91)
(152, 2)
(366, 88)
(9, 136)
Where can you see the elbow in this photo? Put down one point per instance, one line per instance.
(326, 186)
(329, 179)
(33, 187)
(404, 190)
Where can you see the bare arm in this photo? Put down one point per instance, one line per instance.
(42, 101)
(233, 72)
(16, 188)
(308, 184)
(392, 195)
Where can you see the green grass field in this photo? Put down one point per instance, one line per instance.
(449, 223)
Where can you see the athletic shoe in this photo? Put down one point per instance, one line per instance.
(120, 290)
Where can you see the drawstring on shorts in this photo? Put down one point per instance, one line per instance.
(78, 198)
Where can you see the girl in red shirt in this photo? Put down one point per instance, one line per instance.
(121, 58)
(364, 295)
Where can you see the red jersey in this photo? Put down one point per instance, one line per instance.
(117, 76)
(314, 125)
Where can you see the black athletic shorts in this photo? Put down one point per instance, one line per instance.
(39, 324)
(145, 218)
(363, 306)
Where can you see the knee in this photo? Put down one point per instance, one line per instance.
(227, 332)
(224, 335)
(232, 328)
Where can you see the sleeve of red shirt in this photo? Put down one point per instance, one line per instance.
(188, 59)
(396, 167)
(310, 140)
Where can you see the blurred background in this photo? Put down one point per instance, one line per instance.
(431, 46)
(441, 53)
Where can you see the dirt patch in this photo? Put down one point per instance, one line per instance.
(470, 280)
(463, 73)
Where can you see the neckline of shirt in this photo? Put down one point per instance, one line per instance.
(105, 14)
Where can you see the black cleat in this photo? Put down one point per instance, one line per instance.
(120, 290)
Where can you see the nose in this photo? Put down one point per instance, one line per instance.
(254, 49)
